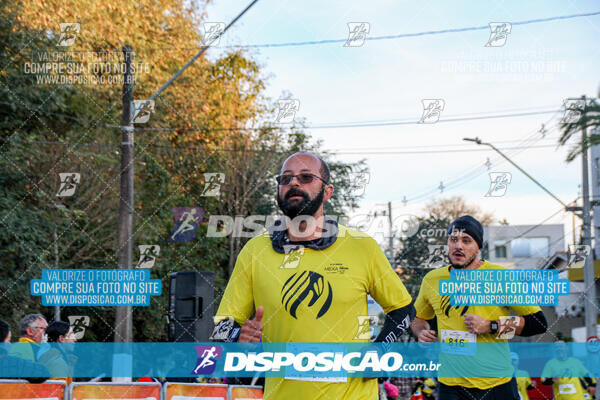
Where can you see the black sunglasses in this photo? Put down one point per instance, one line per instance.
(304, 178)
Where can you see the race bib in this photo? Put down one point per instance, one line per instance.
(567, 388)
(458, 342)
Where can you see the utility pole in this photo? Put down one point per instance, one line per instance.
(591, 315)
(123, 325)
(596, 194)
(391, 233)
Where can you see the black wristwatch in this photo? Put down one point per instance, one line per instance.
(493, 326)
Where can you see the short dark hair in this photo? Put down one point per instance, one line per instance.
(57, 329)
(4, 330)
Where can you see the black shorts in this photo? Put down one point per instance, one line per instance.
(506, 391)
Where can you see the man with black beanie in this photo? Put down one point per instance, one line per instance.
(472, 324)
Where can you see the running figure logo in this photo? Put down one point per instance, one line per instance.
(499, 182)
(186, 223)
(142, 110)
(78, 324)
(365, 323)
(68, 33)
(437, 255)
(68, 184)
(287, 110)
(357, 34)
(498, 34)
(212, 184)
(432, 109)
(207, 359)
(148, 254)
(293, 254)
(213, 32)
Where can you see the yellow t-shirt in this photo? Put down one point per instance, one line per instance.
(451, 325)
(313, 296)
(569, 372)
(523, 381)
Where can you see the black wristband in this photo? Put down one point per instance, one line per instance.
(535, 324)
(396, 323)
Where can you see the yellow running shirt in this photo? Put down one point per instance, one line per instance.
(569, 373)
(523, 381)
(451, 326)
(313, 296)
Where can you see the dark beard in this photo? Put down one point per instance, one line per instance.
(459, 266)
(304, 207)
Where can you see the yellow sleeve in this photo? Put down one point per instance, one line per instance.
(525, 310)
(238, 298)
(422, 305)
(385, 285)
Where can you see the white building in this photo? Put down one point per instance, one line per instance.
(523, 246)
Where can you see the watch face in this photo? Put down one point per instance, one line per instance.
(494, 327)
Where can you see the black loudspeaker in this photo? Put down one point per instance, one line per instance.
(191, 310)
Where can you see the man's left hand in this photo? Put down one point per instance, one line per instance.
(476, 324)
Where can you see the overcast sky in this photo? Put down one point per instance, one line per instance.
(385, 80)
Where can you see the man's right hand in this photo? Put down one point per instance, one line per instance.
(427, 335)
(252, 329)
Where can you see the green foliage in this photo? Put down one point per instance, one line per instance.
(197, 127)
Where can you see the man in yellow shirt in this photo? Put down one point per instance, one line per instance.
(569, 378)
(307, 281)
(524, 382)
(471, 324)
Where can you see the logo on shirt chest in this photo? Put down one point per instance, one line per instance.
(306, 287)
(335, 269)
(447, 308)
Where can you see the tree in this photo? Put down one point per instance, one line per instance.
(580, 115)
(423, 245)
(204, 122)
(454, 207)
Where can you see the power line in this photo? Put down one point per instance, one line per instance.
(321, 126)
(476, 171)
(372, 38)
(176, 147)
